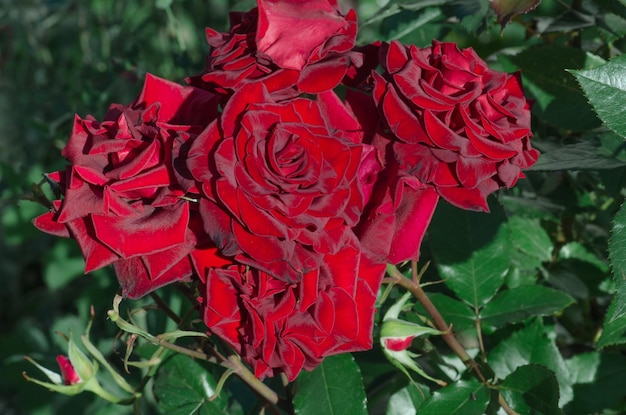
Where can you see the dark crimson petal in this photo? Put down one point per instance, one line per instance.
(258, 221)
(400, 117)
(137, 161)
(178, 105)
(485, 145)
(136, 281)
(48, 223)
(323, 76)
(441, 135)
(151, 179)
(508, 173)
(290, 45)
(89, 174)
(96, 254)
(198, 156)
(470, 199)
(149, 232)
(252, 92)
(205, 259)
(218, 225)
(472, 171)
(222, 313)
(172, 260)
(338, 117)
(395, 57)
(412, 218)
(262, 249)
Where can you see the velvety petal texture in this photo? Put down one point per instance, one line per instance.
(279, 326)
(288, 46)
(456, 124)
(121, 201)
(281, 182)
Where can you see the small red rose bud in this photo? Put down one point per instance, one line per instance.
(70, 377)
(398, 344)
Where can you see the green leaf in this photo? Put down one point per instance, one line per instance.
(406, 23)
(614, 6)
(580, 156)
(569, 21)
(598, 382)
(453, 311)
(577, 251)
(604, 87)
(532, 389)
(617, 244)
(507, 9)
(614, 329)
(407, 400)
(460, 398)
(530, 237)
(560, 101)
(471, 250)
(517, 304)
(531, 344)
(335, 387)
(183, 387)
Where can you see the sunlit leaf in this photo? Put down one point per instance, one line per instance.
(605, 86)
(527, 346)
(614, 329)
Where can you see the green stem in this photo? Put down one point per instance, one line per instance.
(234, 362)
(166, 308)
(413, 286)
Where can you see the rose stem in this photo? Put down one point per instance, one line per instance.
(232, 362)
(414, 287)
(166, 308)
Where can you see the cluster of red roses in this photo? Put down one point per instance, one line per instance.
(282, 199)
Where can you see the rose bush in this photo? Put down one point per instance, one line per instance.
(287, 204)
(282, 183)
(121, 200)
(455, 123)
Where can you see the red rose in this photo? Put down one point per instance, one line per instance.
(121, 200)
(278, 326)
(289, 46)
(400, 208)
(456, 124)
(281, 181)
